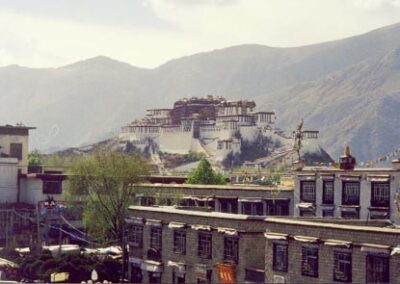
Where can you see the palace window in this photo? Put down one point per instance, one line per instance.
(156, 238)
(307, 191)
(180, 241)
(135, 236)
(52, 187)
(380, 194)
(342, 266)
(280, 257)
(328, 192)
(231, 249)
(204, 247)
(377, 269)
(351, 193)
(309, 261)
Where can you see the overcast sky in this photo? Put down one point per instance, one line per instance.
(147, 33)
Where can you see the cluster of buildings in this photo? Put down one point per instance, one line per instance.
(210, 125)
(330, 225)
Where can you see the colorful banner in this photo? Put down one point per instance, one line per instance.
(226, 273)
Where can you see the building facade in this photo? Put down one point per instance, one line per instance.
(359, 193)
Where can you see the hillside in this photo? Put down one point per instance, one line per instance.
(89, 100)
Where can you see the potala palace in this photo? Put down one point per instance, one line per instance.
(210, 125)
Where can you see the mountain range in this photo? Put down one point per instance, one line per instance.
(348, 89)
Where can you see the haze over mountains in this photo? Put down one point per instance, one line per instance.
(348, 89)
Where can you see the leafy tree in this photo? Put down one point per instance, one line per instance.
(34, 158)
(204, 174)
(106, 182)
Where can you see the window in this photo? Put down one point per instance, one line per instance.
(351, 193)
(252, 208)
(309, 261)
(231, 249)
(205, 279)
(328, 212)
(380, 194)
(136, 274)
(52, 187)
(16, 151)
(156, 238)
(135, 236)
(180, 241)
(154, 277)
(377, 269)
(204, 249)
(351, 213)
(342, 266)
(178, 277)
(254, 275)
(280, 257)
(277, 207)
(307, 212)
(229, 205)
(146, 201)
(307, 191)
(328, 192)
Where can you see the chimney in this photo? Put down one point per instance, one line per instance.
(347, 162)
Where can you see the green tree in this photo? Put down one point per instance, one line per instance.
(106, 181)
(204, 174)
(35, 158)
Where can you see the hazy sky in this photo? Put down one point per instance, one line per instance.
(147, 33)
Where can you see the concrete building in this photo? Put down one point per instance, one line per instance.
(170, 245)
(174, 245)
(14, 143)
(357, 193)
(238, 199)
(330, 252)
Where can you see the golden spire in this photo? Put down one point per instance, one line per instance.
(347, 151)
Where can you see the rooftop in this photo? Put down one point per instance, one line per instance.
(218, 187)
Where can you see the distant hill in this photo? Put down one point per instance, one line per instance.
(348, 89)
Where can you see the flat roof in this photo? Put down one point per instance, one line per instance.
(218, 187)
(336, 170)
(330, 224)
(186, 212)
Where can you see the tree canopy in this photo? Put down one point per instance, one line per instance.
(105, 181)
(204, 174)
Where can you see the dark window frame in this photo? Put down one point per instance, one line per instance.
(135, 235)
(204, 245)
(372, 267)
(231, 249)
(16, 150)
(253, 208)
(350, 199)
(310, 261)
(280, 252)
(305, 196)
(156, 238)
(325, 195)
(342, 266)
(380, 203)
(179, 242)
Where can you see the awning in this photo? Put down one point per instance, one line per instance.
(374, 248)
(176, 225)
(350, 177)
(378, 178)
(305, 205)
(395, 250)
(352, 209)
(151, 266)
(154, 223)
(275, 236)
(134, 220)
(337, 243)
(227, 231)
(201, 227)
(250, 199)
(179, 266)
(205, 199)
(135, 260)
(327, 176)
(187, 197)
(306, 176)
(305, 239)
